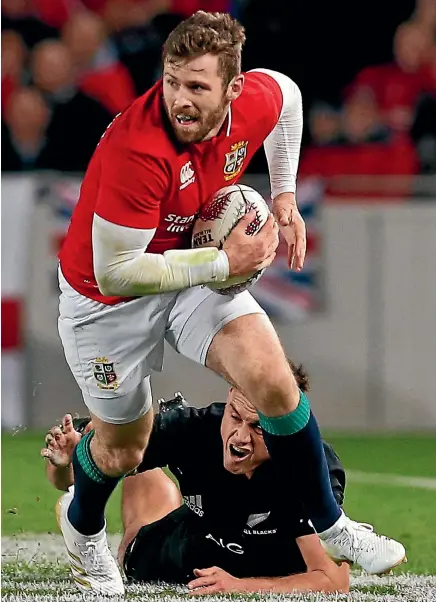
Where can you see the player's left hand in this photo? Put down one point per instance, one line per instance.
(213, 581)
(292, 227)
(61, 442)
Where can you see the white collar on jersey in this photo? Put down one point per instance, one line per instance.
(229, 120)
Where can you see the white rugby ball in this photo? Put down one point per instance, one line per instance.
(217, 219)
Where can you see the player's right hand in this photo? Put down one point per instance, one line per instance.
(61, 441)
(248, 253)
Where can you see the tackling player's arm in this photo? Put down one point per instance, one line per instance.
(125, 220)
(61, 477)
(169, 432)
(282, 150)
(322, 575)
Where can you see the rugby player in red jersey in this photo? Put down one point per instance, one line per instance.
(129, 279)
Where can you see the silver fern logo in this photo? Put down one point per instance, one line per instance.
(255, 519)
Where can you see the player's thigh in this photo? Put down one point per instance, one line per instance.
(111, 351)
(199, 314)
(248, 353)
(159, 552)
(147, 497)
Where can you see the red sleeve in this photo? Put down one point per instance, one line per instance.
(131, 189)
(265, 99)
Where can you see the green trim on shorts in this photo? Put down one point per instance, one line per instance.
(86, 461)
(289, 424)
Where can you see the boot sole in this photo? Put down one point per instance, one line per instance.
(382, 574)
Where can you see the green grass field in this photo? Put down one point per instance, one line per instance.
(404, 511)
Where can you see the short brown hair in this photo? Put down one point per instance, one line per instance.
(203, 33)
(300, 376)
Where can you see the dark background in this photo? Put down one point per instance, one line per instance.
(320, 45)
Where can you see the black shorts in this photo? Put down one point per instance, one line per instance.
(172, 547)
(166, 550)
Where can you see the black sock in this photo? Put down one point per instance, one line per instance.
(295, 442)
(92, 489)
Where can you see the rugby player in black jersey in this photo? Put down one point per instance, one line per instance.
(230, 527)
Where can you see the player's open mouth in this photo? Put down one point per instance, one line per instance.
(185, 119)
(239, 453)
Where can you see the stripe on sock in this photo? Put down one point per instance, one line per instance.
(289, 424)
(86, 461)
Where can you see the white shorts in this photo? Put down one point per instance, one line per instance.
(112, 349)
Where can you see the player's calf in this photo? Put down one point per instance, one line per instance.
(119, 449)
(247, 352)
(101, 458)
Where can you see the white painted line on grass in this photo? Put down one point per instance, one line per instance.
(45, 581)
(42, 547)
(380, 478)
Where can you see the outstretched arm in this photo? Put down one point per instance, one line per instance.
(322, 575)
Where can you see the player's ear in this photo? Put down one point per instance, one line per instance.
(235, 87)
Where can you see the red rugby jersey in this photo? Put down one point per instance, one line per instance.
(141, 177)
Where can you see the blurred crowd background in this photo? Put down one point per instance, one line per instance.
(360, 316)
(368, 76)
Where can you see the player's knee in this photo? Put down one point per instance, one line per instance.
(170, 491)
(275, 389)
(156, 484)
(278, 398)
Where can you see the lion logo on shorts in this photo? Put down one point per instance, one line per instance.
(104, 373)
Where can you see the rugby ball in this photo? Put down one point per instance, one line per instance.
(217, 219)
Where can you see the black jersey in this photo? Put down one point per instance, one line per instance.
(254, 522)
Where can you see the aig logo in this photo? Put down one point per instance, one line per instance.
(187, 175)
(232, 547)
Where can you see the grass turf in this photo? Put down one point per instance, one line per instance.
(49, 582)
(400, 512)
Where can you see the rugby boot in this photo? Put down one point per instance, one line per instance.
(93, 567)
(353, 542)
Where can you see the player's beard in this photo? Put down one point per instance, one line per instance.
(198, 130)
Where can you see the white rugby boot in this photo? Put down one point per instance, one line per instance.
(357, 543)
(93, 567)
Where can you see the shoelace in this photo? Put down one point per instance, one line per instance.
(92, 560)
(354, 533)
